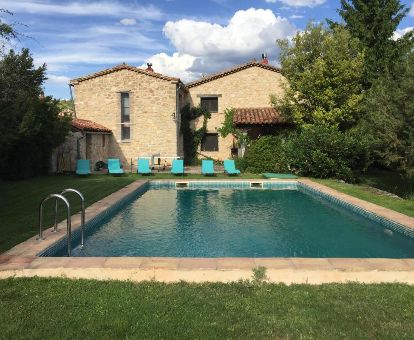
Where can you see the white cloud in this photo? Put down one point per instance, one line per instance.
(296, 16)
(128, 22)
(96, 45)
(400, 32)
(62, 80)
(82, 8)
(411, 13)
(248, 34)
(177, 65)
(298, 3)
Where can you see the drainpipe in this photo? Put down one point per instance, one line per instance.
(78, 145)
(177, 115)
(71, 98)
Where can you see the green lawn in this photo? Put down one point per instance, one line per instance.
(19, 201)
(81, 309)
(391, 181)
(367, 193)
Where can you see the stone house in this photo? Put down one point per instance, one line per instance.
(247, 89)
(86, 140)
(140, 109)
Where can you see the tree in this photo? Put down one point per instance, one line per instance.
(65, 104)
(228, 128)
(389, 120)
(324, 69)
(7, 32)
(374, 22)
(30, 125)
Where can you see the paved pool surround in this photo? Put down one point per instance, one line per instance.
(24, 261)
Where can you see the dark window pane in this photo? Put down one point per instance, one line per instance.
(210, 142)
(125, 132)
(125, 115)
(210, 104)
(124, 107)
(125, 99)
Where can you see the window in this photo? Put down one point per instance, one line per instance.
(125, 128)
(209, 103)
(210, 142)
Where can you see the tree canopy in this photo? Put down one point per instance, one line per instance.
(324, 68)
(388, 123)
(373, 23)
(31, 126)
(7, 32)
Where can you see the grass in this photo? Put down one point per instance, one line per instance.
(19, 202)
(391, 181)
(367, 193)
(66, 309)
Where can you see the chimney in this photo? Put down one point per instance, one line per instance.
(149, 67)
(264, 59)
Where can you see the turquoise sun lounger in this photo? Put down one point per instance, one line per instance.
(271, 175)
(230, 167)
(114, 166)
(177, 167)
(143, 166)
(207, 167)
(83, 167)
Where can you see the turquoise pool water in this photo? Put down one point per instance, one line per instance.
(241, 223)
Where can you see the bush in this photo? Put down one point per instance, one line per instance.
(266, 154)
(317, 151)
(323, 151)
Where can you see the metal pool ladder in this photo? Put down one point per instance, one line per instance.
(68, 219)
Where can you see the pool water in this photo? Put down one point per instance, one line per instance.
(241, 223)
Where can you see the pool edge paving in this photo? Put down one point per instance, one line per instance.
(23, 260)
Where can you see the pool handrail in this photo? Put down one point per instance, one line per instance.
(68, 220)
(82, 212)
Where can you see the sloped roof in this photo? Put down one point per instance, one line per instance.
(256, 116)
(89, 126)
(232, 70)
(123, 67)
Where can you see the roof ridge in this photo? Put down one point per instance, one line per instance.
(120, 67)
(232, 70)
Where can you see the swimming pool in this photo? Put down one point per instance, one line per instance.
(232, 219)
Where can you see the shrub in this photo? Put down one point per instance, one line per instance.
(323, 151)
(266, 154)
(316, 151)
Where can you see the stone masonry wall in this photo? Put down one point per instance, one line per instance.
(152, 103)
(98, 148)
(63, 158)
(250, 87)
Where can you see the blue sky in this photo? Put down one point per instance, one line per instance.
(183, 38)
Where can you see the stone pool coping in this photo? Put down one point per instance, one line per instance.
(22, 260)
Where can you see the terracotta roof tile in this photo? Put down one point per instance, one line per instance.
(256, 116)
(119, 68)
(232, 70)
(89, 126)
